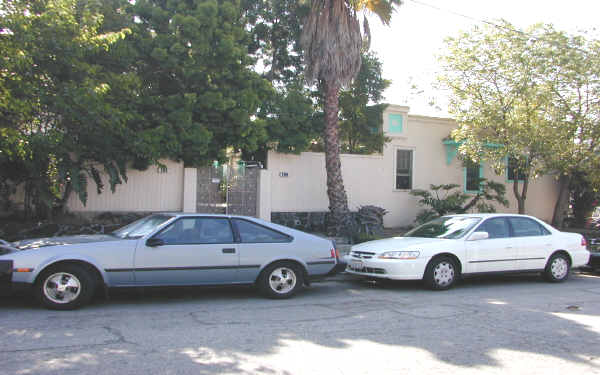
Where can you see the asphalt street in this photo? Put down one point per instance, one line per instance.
(510, 324)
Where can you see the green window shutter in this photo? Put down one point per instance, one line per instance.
(396, 122)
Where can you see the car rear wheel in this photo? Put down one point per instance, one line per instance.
(64, 287)
(281, 280)
(557, 268)
(441, 273)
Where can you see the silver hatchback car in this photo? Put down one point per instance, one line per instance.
(168, 250)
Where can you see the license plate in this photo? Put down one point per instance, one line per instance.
(357, 265)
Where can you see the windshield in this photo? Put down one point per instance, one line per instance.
(140, 228)
(448, 227)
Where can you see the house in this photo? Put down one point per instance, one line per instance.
(417, 155)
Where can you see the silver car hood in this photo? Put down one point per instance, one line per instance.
(396, 244)
(64, 240)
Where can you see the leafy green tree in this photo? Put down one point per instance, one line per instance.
(199, 90)
(117, 84)
(570, 68)
(290, 113)
(584, 198)
(444, 199)
(332, 43)
(498, 101)
(275, 28)
(530, 97)
(293, 116)
(55, 116)
(361, 130)
(292, 121)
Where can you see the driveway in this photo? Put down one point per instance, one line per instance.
(500, 325)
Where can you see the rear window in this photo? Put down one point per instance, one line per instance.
(524, 227)
(255, 233)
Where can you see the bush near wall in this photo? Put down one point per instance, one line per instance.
(314, 222)
(15, 229)
(368, 222)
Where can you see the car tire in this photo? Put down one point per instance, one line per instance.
(558, 268)
(441, 273)
(281, 280)
(65, 287)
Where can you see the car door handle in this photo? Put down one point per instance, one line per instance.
(229, 251)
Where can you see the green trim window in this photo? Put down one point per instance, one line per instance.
(395, 123)
(512, 170)
(404, 169)
(473, 173)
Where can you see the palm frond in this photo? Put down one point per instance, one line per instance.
(331, 37)
(366, 34)
(382, 8)
(332, 41)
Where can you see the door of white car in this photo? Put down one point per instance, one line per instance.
(533, 243)
(496, 253)
(190, 251)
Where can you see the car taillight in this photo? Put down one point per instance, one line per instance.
(583, 241)
(335, 253)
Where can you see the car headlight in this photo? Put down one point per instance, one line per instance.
(399, 255)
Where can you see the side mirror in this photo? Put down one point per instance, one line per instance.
(476, 236)
(154, 242)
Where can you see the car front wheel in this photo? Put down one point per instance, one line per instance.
(441, 273)
(64, 287)
(557, 268)
(281, 280)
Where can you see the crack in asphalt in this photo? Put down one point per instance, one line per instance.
(119, 338)
(280, 321)
(81, 346)
(119, 335)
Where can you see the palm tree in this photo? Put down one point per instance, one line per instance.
(332, 42)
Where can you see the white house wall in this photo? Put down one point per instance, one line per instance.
(298, 182)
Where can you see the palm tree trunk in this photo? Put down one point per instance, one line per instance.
(338, 201)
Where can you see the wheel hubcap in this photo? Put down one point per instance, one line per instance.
(443, 274)
(62, 287)
(559, 268)
(282, 280)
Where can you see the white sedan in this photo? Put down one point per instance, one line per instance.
(441, 251)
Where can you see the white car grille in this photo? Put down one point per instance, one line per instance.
(361, 254)
(379, 271)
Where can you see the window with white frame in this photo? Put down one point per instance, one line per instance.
(404, 169)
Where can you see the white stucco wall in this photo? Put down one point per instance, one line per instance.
(264, 195)
(190, 186)
(298, 182)
(149, 190)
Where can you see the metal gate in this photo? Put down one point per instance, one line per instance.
(230, 189)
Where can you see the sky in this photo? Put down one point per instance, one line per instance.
(409, 47)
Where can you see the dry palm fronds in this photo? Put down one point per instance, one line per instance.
(332, 42)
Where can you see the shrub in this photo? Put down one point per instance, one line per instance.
(444, 199)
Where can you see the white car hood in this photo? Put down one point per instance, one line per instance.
(397, 244)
